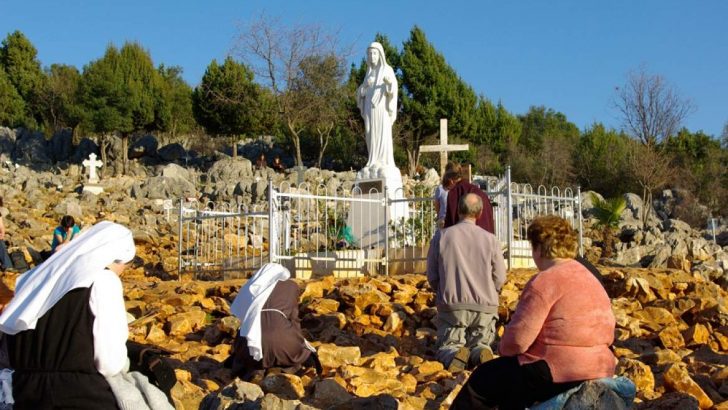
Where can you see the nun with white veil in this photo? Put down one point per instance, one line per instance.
(377, 102)
(270, 331)
(67, 325)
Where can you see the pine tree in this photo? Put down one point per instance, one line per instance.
(227, 102)
(18, 57)
(12, 106)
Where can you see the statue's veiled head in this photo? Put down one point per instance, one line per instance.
(375, 55)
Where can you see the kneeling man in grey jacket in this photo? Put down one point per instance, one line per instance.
(465, 268)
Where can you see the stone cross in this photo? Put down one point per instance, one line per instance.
(443, 148)
(91, 164)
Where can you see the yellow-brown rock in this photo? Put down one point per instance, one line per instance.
(333, 356)
(640, 374)
(426, 369)
(697, 334)
(183, 323)
(287, 386)
(323, 306)
(671, 338)
(678, 379)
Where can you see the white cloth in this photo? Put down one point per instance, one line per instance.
(133, 391)
(249, 303)
(6, 386)
(80, 264)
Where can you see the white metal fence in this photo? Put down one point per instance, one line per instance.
(219, 240)
(318, 230)
(516, 205)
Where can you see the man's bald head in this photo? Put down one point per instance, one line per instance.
(470, 206)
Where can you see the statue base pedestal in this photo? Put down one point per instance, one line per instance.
(93, 188)
(368, 218)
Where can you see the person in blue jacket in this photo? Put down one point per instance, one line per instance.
(63, 233)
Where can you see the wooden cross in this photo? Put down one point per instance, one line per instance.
(443, 148)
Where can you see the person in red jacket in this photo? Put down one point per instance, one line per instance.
(461, 188)
(559, 335)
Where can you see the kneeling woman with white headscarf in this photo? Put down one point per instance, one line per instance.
(67, 323)
(270, 332)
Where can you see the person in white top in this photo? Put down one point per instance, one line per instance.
(67, 324)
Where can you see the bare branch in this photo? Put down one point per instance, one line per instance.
(651, 110)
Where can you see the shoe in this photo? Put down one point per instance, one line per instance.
(459, 361)
(485, 355)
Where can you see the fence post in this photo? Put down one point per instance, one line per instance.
(271, 222)
(509, 205)
(387, 206)
(179, 240)
(579, 218)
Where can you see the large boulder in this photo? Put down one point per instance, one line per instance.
(143, 147)
(60, 146)
(31, 150)
(172, 152)
(69, 206)
(85, 148)
(230, 170)
(164, 188)
(176, 171)
(7, 140)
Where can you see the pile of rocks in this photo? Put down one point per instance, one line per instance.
(661, 241)
(376, 340)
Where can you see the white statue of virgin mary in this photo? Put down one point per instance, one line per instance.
(377, 102)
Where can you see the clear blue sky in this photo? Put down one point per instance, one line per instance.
(566, 55)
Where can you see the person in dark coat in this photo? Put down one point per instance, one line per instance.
(461, 188)
(270, 331)
(66, 326)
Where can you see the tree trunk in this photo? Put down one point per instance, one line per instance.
(646, 199)
(104, 146)
(124, 156)
(413, 159)
(234, 143)
(324, 137)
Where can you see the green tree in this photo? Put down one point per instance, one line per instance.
(600, 161)
(432, 90)
(58, 99)
(544, 153)
(608, 212)
(227, 101)
(12, 106)
(18, 57)
(120, 93)
(176, 97)
(703, 163)
(541, 124)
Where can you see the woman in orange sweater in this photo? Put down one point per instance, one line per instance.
(559, 335)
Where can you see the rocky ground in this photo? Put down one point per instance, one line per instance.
(376, 339)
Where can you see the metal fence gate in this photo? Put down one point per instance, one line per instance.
(221, 241)
(310, 229)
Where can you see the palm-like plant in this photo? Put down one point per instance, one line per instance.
(608, 212)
